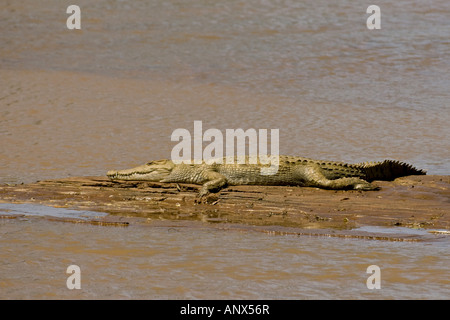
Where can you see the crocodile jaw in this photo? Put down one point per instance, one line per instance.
(152, 171)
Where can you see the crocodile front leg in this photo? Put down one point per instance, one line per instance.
(215, 181)
(209, 179)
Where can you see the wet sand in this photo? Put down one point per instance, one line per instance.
(415, 202)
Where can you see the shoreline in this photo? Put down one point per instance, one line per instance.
(410, 203)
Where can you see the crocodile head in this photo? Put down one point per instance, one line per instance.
(152, 171)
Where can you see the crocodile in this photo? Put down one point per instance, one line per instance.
(292, 170)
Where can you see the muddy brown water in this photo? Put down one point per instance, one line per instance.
(179, 261)
(78, 103)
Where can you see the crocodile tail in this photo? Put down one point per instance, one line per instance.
(389, 170)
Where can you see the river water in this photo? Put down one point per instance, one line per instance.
(200, 262)
(81, 102)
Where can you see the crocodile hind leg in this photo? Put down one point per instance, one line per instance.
(312, 175)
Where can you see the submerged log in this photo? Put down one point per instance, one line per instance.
(414, 202)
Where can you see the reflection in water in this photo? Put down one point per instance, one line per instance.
(41, 210)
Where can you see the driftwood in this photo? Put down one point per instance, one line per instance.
(414, 202)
